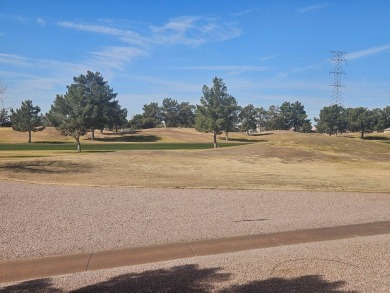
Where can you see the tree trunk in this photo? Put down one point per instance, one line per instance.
(78, 144)
(215, 139)
(227, 135)
(29, 137)
(362, 134)
(92, 134)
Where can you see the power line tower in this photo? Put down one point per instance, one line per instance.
(338, 73)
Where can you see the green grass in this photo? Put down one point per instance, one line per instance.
(110, 146)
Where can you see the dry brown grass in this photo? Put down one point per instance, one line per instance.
(278, 161)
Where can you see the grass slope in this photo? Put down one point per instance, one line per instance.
(280, 160)
(110, 146)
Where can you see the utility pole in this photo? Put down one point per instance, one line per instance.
(338, 73)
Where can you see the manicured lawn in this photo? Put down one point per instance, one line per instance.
(110, 146)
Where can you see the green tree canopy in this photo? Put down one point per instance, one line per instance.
(294, 115)
(71, 113)
(27, 118)
(274, 119)
(100, 100)
(332, 120)
(217, 109)
(186, 114)
(152, 115)
(360, 119)
(170, 112)
(248, 118)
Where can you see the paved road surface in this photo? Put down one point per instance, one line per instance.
(38, 220)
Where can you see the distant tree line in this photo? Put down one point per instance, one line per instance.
(90, 104)
(219, 112)
(338, 119)
(171, 113)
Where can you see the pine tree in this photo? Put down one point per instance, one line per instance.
(27, 119)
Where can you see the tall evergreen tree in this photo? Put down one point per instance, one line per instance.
(248, 118)
(186, 114)
(294, 115)
(100, 100)
(361, 119)
(332, 120)
(170, 112)
(216, 109)
(152, 115)
(27, 119)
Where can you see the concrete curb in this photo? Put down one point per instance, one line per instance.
(23, 269)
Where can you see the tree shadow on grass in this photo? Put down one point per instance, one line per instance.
(132, 138)
(52, 142)
(45, 167)
(376, 138)
(246, 140)
(121, 132)
(187, 278)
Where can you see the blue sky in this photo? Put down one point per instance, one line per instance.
(267, 52)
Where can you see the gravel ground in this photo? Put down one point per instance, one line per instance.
(39, 220)
(350, 265)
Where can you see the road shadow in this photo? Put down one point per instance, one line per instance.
(304, 284)
(132, 138)
(187, 278)
(39, 285)
(45, 167)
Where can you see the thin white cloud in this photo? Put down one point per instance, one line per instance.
(41, 21)
(230, 68)
(265, 58)
(13, 60)
(129, 35)
(193, 31)
(185, 30)
(117, 57)
(311, 8)
(367, 52)
(14, 18)
(245, 12)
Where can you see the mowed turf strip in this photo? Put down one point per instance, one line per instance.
(111, 146)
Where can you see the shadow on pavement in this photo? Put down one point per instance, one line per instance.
(187, 278)
(306, 284)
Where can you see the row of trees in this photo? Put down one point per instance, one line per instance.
(90, 104)
(338, 119)
(171, 113)
(216, 104)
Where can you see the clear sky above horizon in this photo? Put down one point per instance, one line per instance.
(267, 52)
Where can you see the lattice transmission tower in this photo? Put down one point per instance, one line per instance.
(338, 74)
